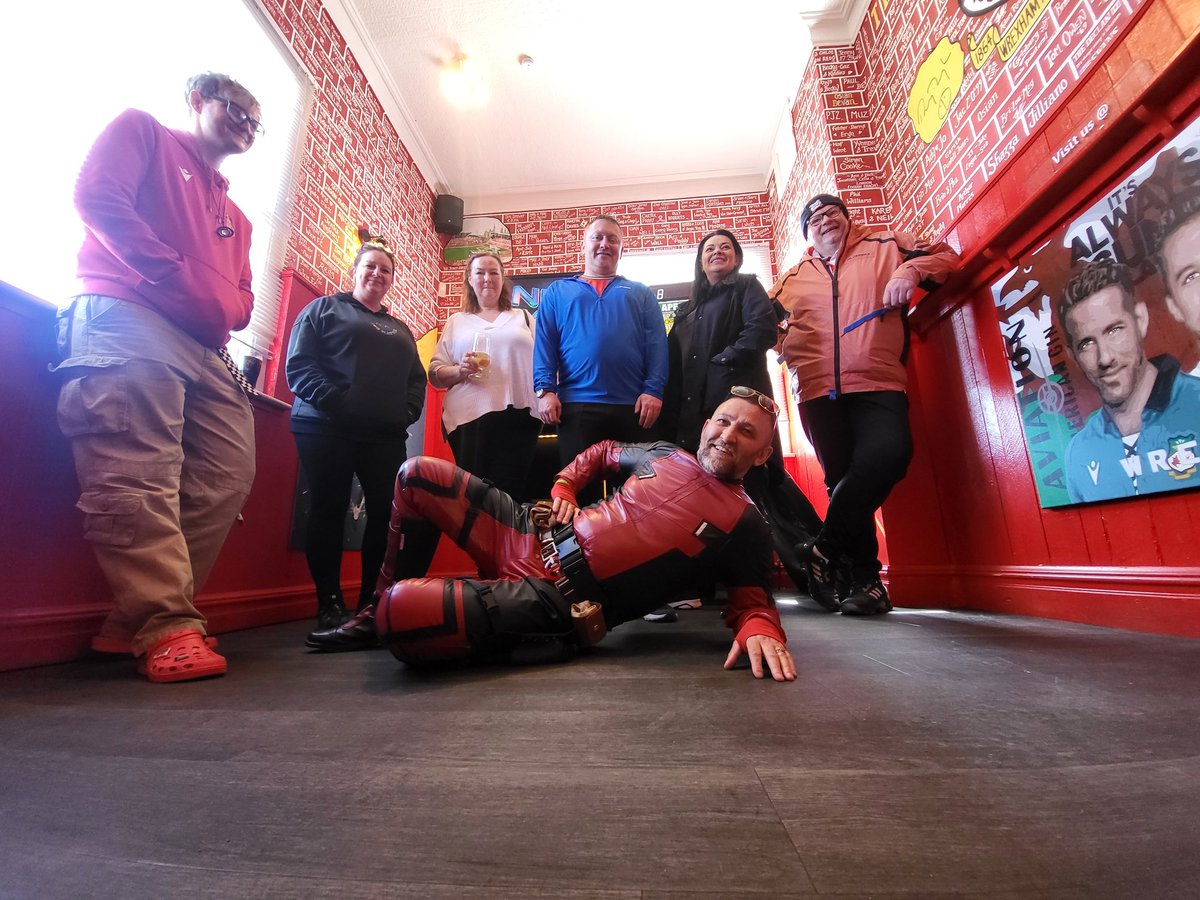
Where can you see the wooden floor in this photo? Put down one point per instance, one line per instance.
(923, 754)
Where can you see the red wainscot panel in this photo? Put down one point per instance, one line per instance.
(1132, 564)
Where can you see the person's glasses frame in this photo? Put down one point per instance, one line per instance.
(749, 393)
(818, 217)
(239, 116)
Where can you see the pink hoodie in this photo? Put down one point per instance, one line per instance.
(152, 207)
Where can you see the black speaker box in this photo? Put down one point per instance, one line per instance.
(448, 214)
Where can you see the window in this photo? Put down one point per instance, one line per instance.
(677, 266)
(104, 58)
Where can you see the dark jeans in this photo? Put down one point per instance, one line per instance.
(584, 424)
(330, 463)
(499, 448)
(864, 445)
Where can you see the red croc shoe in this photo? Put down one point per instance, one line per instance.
(182, 656)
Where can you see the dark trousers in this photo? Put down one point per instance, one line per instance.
(499, 448)
(864, 445)
(584, 424)
(330, 463)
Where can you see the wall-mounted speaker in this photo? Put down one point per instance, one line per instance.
(448, 214)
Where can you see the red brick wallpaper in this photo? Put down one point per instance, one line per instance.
(962, 95)
(548, 240)
(812, 173)
(930, 105)
(354, 171)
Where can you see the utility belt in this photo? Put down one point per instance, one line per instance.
(561, 553)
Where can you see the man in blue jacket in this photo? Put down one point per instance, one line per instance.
(600, 354)
(1142, 439)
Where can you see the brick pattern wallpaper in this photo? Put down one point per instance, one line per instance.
(912, 54)
(354, 171)
(811, 174)
(930, 105)
(548, 241)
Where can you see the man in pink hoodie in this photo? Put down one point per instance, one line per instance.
(162, 433)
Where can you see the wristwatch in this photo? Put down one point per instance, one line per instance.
(541, 392)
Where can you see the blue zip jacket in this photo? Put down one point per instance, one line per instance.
(1165, 457)
(606, 348)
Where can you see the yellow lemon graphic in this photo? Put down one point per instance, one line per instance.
(935, 88)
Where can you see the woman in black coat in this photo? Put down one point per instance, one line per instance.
(719, 339)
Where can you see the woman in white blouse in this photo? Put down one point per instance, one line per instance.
(489, 412)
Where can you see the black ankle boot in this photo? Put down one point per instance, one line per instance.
(331, 611)
(357, 633)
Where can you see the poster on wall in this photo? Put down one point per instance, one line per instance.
(480, 234)
(1101, 328)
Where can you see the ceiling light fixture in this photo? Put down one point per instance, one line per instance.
(463, 84)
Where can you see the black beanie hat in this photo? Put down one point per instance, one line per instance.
(816, 203)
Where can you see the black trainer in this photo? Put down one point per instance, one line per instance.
(822, 576)
(866, 598)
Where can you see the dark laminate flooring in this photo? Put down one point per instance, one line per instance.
(923, 754)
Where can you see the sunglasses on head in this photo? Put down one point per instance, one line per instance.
(747, 393)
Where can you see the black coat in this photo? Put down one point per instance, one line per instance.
(719, 339)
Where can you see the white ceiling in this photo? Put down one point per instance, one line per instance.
(626, 100)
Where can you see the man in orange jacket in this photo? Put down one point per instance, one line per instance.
(846, 342)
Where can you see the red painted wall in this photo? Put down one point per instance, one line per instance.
(965, 528)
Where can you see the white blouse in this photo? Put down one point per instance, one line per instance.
(509, 380)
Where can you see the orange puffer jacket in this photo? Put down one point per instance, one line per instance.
(822, 300)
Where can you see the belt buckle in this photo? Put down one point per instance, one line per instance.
(549, 551)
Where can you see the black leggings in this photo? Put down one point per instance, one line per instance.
(330, 463)
(498, 447)
(864, 445)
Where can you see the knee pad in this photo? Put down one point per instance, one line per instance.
(420, 620)
(436, 477)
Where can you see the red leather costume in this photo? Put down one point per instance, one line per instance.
(670, 529)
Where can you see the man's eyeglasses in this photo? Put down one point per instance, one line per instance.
(239, 116)
(746, 393)
(818, 218)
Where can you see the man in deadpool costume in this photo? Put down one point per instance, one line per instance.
(677, 522)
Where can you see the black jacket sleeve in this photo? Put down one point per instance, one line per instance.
(417, 380)
(306, 377)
